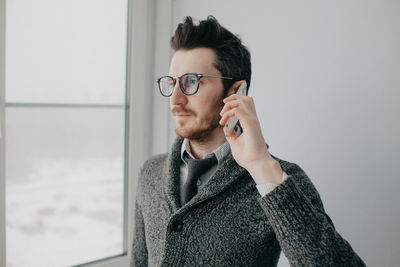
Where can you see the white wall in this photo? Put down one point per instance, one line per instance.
(326, 79)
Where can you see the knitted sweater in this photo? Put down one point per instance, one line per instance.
(228, 223)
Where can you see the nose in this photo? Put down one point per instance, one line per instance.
(177, 97)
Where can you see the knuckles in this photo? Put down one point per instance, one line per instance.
(249, 99)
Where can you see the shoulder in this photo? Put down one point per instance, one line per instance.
(150, 174)
(154, 163)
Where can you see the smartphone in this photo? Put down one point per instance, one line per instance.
(233, 123)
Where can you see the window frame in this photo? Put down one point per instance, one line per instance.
(2, 133)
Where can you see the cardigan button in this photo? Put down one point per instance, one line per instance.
(177, 225)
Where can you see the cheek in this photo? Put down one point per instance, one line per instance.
(207, 103)
(210, 108)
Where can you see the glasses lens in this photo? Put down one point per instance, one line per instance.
(189, 83)
(166, 85)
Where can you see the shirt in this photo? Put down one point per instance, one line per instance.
(220, 154)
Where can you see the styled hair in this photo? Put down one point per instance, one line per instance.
(232, 57)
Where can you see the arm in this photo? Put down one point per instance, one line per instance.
(304, 231)
(264, 189)
(294, 209)
(139, 248)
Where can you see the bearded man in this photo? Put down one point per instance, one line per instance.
(217, 200)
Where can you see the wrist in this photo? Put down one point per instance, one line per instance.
(266, 171)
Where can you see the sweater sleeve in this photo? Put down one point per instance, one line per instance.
(139, 248)
(264, 189)
(304, 231)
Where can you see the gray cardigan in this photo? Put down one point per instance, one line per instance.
(228, 223)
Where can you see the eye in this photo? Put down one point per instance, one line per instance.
(192, 80)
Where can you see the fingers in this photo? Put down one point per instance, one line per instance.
(235, 100)
(236, 96)
(230, 113)
(243, 102)
(229, 105)
(230, 98)
(235, 105)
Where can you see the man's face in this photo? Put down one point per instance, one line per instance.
(196, 116)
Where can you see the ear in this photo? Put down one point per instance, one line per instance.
(235, 87)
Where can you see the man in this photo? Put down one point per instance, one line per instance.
(217, 200)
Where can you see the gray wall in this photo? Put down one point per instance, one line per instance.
(2, 133)
(326, 79)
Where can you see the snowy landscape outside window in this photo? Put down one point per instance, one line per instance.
(65, 128)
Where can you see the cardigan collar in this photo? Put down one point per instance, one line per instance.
(228, 171)
(220, 152)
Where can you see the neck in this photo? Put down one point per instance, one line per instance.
(200, 148)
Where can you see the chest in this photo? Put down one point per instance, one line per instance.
(226, 226)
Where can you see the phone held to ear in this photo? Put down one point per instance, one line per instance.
(233, 123)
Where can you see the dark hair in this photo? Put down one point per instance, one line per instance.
(232, 57)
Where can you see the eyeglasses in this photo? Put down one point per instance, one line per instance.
(189, 83)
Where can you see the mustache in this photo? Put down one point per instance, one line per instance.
(178, 109)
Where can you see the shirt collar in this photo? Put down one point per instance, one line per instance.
(220, 152)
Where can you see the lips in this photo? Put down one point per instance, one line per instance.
(182, 117)
(180, 112)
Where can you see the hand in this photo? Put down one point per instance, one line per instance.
(249, 149)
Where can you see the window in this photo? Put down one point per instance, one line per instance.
(65, 128)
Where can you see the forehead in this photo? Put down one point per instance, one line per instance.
(197, 60)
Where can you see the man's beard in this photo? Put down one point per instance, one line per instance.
(206, 127)
(199, 134)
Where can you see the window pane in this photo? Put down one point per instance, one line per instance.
(64, 180)
(64, 160)
(64, 51)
